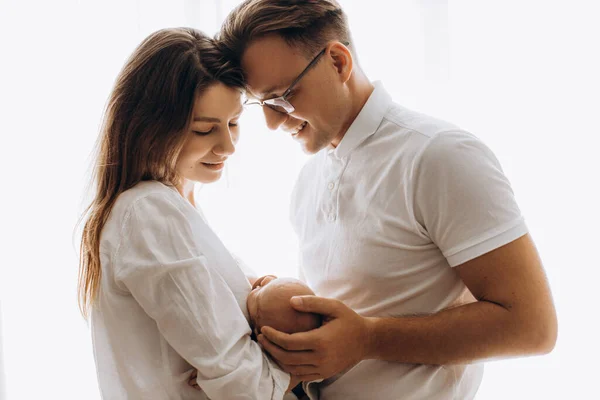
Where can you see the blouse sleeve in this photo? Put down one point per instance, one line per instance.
(246, 269)
(194, 308)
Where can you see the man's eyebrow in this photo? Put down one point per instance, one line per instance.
(270, 92)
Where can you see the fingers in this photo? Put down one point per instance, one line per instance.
(263, 280)
(193, 381)
(308, 378)
(295, 342)
(318, 305)
(302, 370)
(283, 357)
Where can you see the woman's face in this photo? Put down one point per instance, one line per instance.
(213, 134)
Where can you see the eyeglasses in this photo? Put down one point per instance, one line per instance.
(281, 104)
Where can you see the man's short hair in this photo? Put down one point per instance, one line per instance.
(304, 24)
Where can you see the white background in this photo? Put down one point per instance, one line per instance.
(521, 75)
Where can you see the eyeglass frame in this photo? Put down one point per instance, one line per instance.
(283, 102)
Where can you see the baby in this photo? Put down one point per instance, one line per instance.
(269, 305)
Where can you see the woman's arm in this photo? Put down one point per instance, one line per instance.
(251, 275)
(193, 306)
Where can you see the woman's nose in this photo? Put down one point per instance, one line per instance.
(226, 145)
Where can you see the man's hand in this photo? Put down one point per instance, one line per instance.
(340, 343)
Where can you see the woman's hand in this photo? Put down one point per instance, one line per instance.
(263, 280)
(193, 382)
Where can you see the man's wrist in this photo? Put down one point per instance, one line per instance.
(371, 350)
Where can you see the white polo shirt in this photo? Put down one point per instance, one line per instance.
(381, 221)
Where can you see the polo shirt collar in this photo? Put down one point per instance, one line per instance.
(366, 122)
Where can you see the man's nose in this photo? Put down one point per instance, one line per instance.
(273, 118)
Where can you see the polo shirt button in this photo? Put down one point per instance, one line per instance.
(331, 186)
(331, 217)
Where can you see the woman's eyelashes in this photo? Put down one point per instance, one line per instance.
(204, 133)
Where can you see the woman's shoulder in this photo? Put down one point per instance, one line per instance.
(147, 190)
(147, 203)
(146, 196)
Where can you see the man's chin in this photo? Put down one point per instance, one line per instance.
(310, 147)
(308, 150)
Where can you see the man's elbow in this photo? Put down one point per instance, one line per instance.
(548, 340)
(541, 338)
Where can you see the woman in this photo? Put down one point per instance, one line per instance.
(165, 296)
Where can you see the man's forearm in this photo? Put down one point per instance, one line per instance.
(460, 335)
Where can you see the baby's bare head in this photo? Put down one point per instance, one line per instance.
(269, 305)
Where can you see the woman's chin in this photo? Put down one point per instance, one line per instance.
(207, 178)
(213, 180)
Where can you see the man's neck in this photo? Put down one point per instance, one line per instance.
(360, 89)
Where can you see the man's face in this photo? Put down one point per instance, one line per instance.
(271, 66)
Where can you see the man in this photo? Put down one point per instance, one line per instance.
(400, 218)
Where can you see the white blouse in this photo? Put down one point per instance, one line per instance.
(172, 300)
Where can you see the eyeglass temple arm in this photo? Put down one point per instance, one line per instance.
(308, 67)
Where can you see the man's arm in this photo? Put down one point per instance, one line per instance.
(514, 316)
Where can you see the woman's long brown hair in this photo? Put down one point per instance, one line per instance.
(146, 118)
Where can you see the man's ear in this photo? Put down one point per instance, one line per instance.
(342, 60)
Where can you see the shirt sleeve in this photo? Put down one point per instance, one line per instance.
(194, 308)
(246, 269)
(462, 199)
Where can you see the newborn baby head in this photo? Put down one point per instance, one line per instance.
(269, 305)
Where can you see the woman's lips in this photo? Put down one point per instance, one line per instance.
(214, 166)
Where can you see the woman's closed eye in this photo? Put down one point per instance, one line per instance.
(204, 133)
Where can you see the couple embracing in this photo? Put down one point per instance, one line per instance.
(414, 255)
